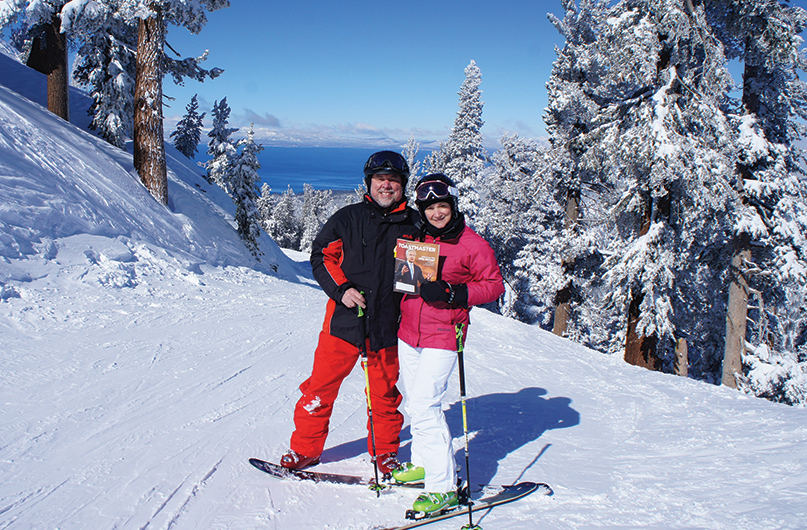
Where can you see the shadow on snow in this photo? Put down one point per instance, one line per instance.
(498, 424)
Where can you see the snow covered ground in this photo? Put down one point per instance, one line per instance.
(145, 356)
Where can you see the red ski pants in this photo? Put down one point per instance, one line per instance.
(334, 359)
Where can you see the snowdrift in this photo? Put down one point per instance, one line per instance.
(58, 182)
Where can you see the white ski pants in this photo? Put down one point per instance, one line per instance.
(424, 375)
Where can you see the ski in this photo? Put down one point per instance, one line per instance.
(279, 471)
(505, 495)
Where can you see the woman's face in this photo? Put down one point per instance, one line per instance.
(438, 214)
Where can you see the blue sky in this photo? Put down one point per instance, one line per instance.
(372, 69)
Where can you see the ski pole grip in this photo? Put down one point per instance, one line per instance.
(459, 329)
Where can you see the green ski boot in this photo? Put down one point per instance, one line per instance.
(409, 472)
(433, 503)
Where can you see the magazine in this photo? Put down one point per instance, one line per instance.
(415, 263)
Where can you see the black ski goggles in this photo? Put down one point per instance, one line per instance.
(434, 189)
(382, 160)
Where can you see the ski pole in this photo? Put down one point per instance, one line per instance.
(461, 362)
(363, 349)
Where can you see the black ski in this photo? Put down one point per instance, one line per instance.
(505, 495)
(317, 476)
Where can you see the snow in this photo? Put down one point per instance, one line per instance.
(755, 145)
(665, 148)
(146, 356)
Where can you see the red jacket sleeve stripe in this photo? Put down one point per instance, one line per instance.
(332, 259)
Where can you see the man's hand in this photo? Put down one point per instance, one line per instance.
(353, 298)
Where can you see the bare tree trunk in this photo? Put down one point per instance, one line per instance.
(755, 78)
(681, 358)
(50, 58)
(564, 296)
(641, 350)
(736, 314)
(149, 142)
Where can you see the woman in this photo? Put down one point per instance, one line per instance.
(427, 340)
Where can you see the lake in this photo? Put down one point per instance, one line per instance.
(332, 168)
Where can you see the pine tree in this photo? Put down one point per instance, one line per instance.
(220, 147)
(149, 146)
(105, 63)
(410, 153)
(153, 15)
(465, 153)
(243, 182)
(282, 225)
(633, 84)
(265, 205)
(570, 111)
(769, 262)
(517, 220)
(46, 44)
(315, 209)
(107, 33)
(437, 160)
(189, 130)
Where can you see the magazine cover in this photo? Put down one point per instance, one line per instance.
(415, 263)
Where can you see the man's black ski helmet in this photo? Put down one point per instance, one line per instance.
(386, 162)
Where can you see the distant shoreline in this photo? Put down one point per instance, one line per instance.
(324, 168)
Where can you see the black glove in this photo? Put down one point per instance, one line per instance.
(442, 291)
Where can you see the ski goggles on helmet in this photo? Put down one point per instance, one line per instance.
(386, 160)
(434, 189)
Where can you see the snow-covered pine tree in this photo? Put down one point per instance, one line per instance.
(517, 214)
(106, 34)
(316, 205)
(266, 203)
(282, 225)
(410, 153)
(437, 160)
(243, 186)
(46, 45)
(358, 194)
(105, 64)
(149, 146)
(644, 76)
(465, 153)
(152, 16)
(221, 146)
(769, 265)
(189, 130)
(570, 177)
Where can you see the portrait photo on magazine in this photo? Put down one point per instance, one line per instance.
(415, 263)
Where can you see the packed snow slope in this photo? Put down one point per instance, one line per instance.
(146, 356)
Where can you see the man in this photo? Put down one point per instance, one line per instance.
(353, 261)
(409, 274)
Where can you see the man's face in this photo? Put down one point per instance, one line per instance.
(386, 189)
(411, 255)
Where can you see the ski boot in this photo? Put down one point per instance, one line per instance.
(409, 472)
(432, 505)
